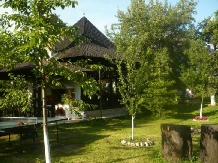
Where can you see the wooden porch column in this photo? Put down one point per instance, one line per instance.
(34, 99)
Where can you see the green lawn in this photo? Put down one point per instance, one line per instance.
(98, 140)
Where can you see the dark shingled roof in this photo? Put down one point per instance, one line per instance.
(29, 66)
(87, 29)
(98, 46)
(19, 66)
(87, 49)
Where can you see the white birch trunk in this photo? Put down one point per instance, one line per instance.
(132, 127)
(45, 129)
(212, 100)
(201, 112)
(47, 148)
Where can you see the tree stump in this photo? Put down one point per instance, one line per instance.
(176, 142)
(209, 143)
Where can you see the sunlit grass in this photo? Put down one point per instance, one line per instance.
(98, 140)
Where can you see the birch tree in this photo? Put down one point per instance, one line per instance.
(207, 31)
(36, 31)
(201, 74)
(149, 37)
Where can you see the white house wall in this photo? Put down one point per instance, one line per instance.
(77, 92)
(70, 85)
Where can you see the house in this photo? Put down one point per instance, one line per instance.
(95, 49)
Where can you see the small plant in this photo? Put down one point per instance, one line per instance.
(201, 118)
(74, 104)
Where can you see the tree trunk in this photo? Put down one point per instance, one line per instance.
(45, 129)
(133, 127)
(212, 100)
(209, 143)
(201, 111)
(176, 142)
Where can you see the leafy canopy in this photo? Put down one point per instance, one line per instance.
(151, 37)
(36, 32)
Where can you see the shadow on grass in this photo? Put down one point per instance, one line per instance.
(74, 138)
(82, 133)
(184, 111)
(210, 113)
(28, 152)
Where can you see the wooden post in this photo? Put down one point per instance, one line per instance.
(209, 143)
(176, 142)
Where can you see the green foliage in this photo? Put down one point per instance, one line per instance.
(201, 74)
(151, 39)
(209, 30)
(15, 95)
(36, 32)
(75, 105)
(88, 63)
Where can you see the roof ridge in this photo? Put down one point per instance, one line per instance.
(89, 30)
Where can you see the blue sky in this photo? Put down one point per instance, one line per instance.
(102, 12)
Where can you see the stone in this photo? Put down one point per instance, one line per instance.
(123, 142)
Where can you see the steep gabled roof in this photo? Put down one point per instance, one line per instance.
(88, 50)
(98, 46)
(87, 29)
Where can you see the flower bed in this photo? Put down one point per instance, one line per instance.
(198, 118)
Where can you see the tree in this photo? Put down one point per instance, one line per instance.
(201, 74)
(207, 31)
(36, 31)
(150, 39)
(10, 101)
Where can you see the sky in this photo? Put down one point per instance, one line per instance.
(102, 12)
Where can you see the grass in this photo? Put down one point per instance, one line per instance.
(98, 140)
